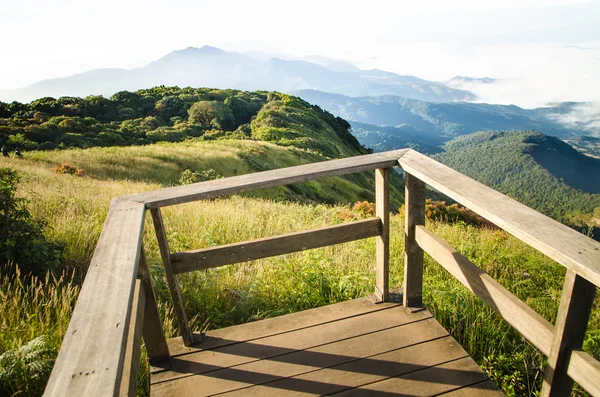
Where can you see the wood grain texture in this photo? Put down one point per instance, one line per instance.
(154, 336)
(165, 253)
(580, 254)
(262, 180)
(90, 361)
(413, 254)
(571, 323)
(453, 376)
(272, 246)
(289, 354)
(530, 324)
(585, 370)
(277, 325)
(389, 345)
(134, 342)
(382, 253)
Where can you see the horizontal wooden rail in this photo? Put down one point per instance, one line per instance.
(530, 324)
(91, 358)
(585, 370)
(561, 243)
(262, 180)
(272, 246)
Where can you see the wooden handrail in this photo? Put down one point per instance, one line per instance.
(272, 246)
(548, 236)
(117, 296)
(91, 358)
(530, 324)
(266, 179)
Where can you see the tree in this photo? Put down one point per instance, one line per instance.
(212, 114)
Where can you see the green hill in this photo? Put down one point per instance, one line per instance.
(174, 114)
(541, 171)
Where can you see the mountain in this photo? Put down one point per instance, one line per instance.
(383, 138)
(541, 171)
(213, 67)
(440, 122)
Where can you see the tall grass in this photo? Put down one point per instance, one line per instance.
(34, 315)
(76, 207)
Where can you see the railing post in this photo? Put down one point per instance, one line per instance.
(382, 197)
(573, 315)
(154, 335)
(413, 254)
(165, 253)
(134, 342)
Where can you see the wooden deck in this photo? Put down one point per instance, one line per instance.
(351, 348)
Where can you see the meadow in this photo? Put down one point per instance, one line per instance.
(35, 310)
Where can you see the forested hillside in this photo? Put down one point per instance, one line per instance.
(173, 114)
(538, 170)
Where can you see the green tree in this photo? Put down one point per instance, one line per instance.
(212, 114)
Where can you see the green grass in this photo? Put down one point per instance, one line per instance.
(75, 207)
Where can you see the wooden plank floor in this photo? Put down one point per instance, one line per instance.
(351, 348)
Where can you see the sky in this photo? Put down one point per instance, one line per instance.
(543, 50)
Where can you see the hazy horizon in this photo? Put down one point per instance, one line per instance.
(544, 51)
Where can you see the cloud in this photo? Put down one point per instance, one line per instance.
(584, 116)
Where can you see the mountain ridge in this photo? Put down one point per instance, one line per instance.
(213, 67)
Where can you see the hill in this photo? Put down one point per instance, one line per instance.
(383, 138)
(445, 120)
(541, 171)
(213, 67)
(172, 114)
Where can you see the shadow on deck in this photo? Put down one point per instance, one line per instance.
(350, 348)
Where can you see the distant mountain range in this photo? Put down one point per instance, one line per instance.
(390, 122)
(212, 67)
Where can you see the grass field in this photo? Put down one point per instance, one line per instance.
(75, 208)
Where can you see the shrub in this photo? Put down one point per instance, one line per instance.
(190, 176)
(65, 168)
(440, 211)
(21, 238)
(26, 369)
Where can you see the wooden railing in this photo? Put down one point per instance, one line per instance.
(100, 353)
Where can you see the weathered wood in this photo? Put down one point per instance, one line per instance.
(278, 325)
(90, 361)
(283, 350)
(456, 376)
(413, 254)
(154, 336)
(530, 324)
(571, 322)
(134, 342)
(585, 370)
(262, 180)
(165, 253)
(541, 232)
(323, 359)
(272, 246)
(382, 200)
(266, 368)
